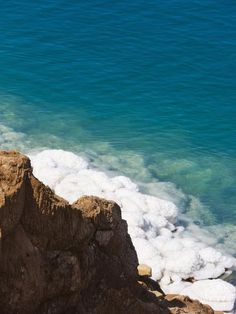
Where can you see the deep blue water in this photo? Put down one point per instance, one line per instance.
(154, 79)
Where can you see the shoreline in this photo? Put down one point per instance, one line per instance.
(71, 176)
(75, 258)
(104, 158)
(208, 235)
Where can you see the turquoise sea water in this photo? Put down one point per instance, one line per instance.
(150, 82)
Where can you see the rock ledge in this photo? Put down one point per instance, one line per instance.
(57, 258)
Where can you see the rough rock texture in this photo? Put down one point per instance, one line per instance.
(58, 258)
(182, 304)
(144, 270)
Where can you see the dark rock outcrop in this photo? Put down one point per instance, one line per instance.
(57, 258)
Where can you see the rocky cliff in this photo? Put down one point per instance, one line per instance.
(59, 258)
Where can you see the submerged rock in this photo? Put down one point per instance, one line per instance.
(59, 258)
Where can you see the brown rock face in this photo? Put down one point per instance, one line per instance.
(57, 258)
(182, 304)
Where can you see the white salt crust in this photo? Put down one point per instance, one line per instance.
(173, 252)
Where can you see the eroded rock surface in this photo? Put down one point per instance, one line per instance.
(57, 258)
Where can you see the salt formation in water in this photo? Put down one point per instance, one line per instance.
(173, 253)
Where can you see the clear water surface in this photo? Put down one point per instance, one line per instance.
(151, 82)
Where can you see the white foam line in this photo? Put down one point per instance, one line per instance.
(173, 252)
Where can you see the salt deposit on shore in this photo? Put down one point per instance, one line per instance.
(174, 253)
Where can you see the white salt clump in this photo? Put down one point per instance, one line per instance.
(176, 287)
(122, 181)
(174, 253)
(54, 165)
(209, 271)
(183, 262)
(220, 295)
(210, 255)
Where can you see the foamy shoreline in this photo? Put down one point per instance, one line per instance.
(173, 252)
